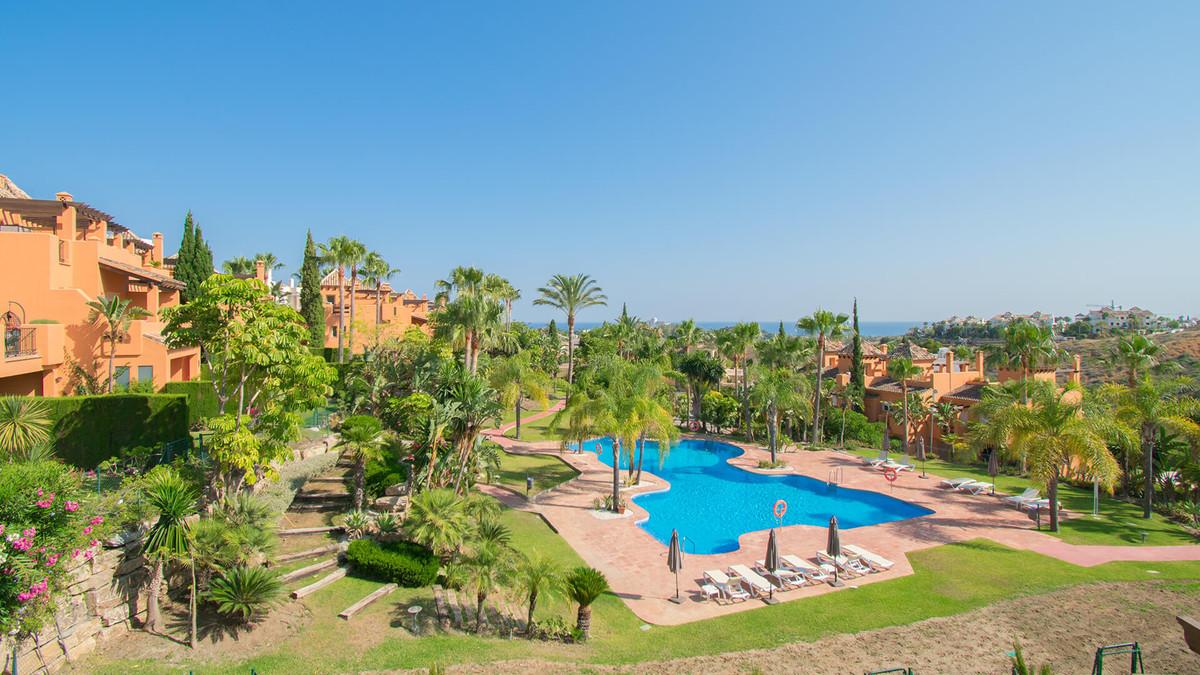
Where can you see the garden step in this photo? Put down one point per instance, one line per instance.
(319, 584)
(329, 479)
(455, 608)
(309, 570)
(310, 553)
(468, 611)
(311, 530)
(439, 599)
(377, 594)
(322, 494)
(515, 615)
(324, 506)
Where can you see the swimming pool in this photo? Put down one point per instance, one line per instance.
(712, 503)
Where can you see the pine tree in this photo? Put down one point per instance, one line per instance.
(857, 376)
(312, 307)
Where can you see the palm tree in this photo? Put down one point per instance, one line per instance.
(173, 500)
(356, 253)
(485, 570)
(1134, 354)
(441, 417)
(516, 378)
(777, 389)
(506, 293)
(376, 271)
(850, 397)
(687, 335)
(782, 350)
(1026, 345)
(1151, 407)
(364, 439)
(270, 262)
(571, 294)
(537, 576)
(745, 334)
(477, 403)
(823, 324)
(438, 519)
(944, 415)
(116, 315)
(24, 423)
(902, 370)
(339, 252)
(471, 319)
(238, 266)
(702, 372)
(584, 585)
(1052, 430)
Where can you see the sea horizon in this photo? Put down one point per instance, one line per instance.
(873, 329)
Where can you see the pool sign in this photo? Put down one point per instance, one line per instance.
(780, 509)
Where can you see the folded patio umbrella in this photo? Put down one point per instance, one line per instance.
(675, 562)
(772, 559)
(834, 545)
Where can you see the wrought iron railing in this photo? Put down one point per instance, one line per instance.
(20, 342)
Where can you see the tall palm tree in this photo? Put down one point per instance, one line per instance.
(702, 372)
(902, 370)
(506, 293)
(1053, 430)
(356, 253)
(470, 320)
(376, 271)
(687, 335)
(944, 415)
(783, 351)
(570, 294)
(270, 262)
(777, 389)
(850, 397)
(516, 378)
(584, 585)
(1134, 354)
(745, 335)
(463, 281)
(537, 576)
(1026, 345)
(174, 501)
(24, 423)
(477, 403)
(364, 439)
(239, 265)
(115, 314)
(823, 325)
(338, 252)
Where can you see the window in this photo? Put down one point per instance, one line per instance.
(146, 374)
(329, 299)
(121, 376)
(334, 329)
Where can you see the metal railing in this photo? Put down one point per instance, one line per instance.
(20, 342)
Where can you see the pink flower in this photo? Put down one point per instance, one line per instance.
(96, 520)
(52, 560)
(87, 530)
(39, 492)
(75, 553)
(30, 532)
(94, 543)
(23, 544)
(70, 507)
(45, 503)
(89, 555)
(1, 528)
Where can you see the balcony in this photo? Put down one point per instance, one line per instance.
(28, 349)
(20, 343)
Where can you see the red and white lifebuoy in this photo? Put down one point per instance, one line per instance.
(780, 509)
(890, 475)
(694, 425)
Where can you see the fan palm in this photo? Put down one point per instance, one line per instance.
(1134, 354)
(270, 261)
(1025, 345)
(823, 325)
(687, 335)
(902, 370)
(246, 591)
(376, 271)
(570, 294)
(516, 378)
(173, 500)
(584, 585)
(537, 576)
(477, 403)
(484, 571)
(364, 440)
(438, 519)
(24, 423)
(356, 253)
(239, 266)
(115, 314)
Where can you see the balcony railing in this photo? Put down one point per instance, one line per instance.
(20, 342)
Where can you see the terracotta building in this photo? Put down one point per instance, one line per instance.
(55, 256)
(379, 313)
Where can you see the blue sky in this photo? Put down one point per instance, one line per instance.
(724, 161)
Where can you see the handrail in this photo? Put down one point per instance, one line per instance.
(20, 342)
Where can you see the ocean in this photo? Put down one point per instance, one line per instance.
(868, 328)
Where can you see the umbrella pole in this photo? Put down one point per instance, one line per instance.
(677, 599)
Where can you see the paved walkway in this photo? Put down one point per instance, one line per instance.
(635, 562)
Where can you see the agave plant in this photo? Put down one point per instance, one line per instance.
(246, 592)
(357, 523)
(387, 523)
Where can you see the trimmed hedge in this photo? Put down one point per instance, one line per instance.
(202, 399)
(402, 562)
(90, 429)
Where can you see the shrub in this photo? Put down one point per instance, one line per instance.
(383, 473)
(246, 592)
(718, 409)
(90, 429)
(357, 523)
(201, 399)
(403, 562)
(858, 428)
(387, 523)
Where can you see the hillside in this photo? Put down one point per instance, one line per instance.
(1182, 348)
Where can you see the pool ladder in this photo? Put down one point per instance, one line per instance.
(836, 476)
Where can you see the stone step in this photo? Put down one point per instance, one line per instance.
(329, 480)
(316, 495)
(310, 553)
(311, 530)
(309, 570)
(455, 608)
(377, 594)
(319, 584)
(319, 507)
(443, 614)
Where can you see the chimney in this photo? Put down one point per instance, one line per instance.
(949, 362)
(883, 348)
(156, 255)
(64, 196)
(979, 364)
(260, 271)
(1077, 372)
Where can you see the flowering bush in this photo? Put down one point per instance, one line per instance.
(43, 531)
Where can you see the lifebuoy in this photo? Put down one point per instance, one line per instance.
(780, 508)
(694, 425)
(890, 475)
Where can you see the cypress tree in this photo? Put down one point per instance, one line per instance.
(186, 258)
(857, 376)
(204, 258)
(312, 307)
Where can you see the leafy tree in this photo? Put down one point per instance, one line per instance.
(902, 370)
(537, 576)
(262, 373)
(194, 262)
(822, 324)
(364, 440)
(719, 409)
(114, 314)
(515, 378)
(584, 585)
(312, 305)
(173, 500)
(703, 372)
(570, 294)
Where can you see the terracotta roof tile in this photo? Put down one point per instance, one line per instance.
(142, 273)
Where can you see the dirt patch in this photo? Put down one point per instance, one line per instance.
(1062, 629)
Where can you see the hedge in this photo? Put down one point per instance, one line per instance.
(202, 398)
(90, 429)
(402, 562)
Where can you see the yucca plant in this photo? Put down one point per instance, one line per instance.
(583, 586)
(24, 424)
(357, 523)
(246, 592)
(387, 523)
(173, 500)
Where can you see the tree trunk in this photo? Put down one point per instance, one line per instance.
(904, 402)
(360, 470)
(570, 349)
(641, 454)
(1053, 496)
(1148, 469)
(584, 621)
(616, 484)
(480, 613)
(816, 437)
(842, 437)
(517, 413)
(353, 304)
(773, 431)
(432, 461)
(533, 598)
(153, 590)
(192, 608)
(341, 311)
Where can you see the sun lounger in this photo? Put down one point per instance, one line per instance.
(1029, 495)
(955, 482)
(754, 583)
(1036, 504)
(710, 592)
(874, 560)
(723, 583)
(787, 578)
(804, 567)
(851, 566)
(877, 460)
(898, 466)
(975, 487)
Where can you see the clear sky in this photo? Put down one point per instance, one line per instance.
(723, 161)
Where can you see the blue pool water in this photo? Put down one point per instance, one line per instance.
(712, 503)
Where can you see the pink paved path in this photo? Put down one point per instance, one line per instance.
(635, 562)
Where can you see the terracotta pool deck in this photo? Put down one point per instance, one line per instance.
(635, 562)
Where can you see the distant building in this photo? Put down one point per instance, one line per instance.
(378, 312)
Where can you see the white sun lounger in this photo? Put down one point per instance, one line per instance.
(1029, 495)
(874, 560)
(851, 566)
(756, 583)
(1035, 504)
(722, 582)
(804, 567)
(883, 457)
(955, 482)
(898, 466)
(974, 487)
(787, 578)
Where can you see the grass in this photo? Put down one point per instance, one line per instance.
(535, 430)
(547, 472)
(948, 580)
(1120, 522)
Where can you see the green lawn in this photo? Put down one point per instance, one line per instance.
(1119, 523)
(547, 472)
(948, 580)
(536, 430)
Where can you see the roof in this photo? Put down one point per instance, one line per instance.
(142, 273)
(868, 349)
(969, 392)
(9, 189)
(46, 211)
(893, 386)
(830, 373)
(911, 351)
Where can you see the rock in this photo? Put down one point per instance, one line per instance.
(396, 490)
(386, 504)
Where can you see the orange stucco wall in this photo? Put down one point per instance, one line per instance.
(373, 320)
